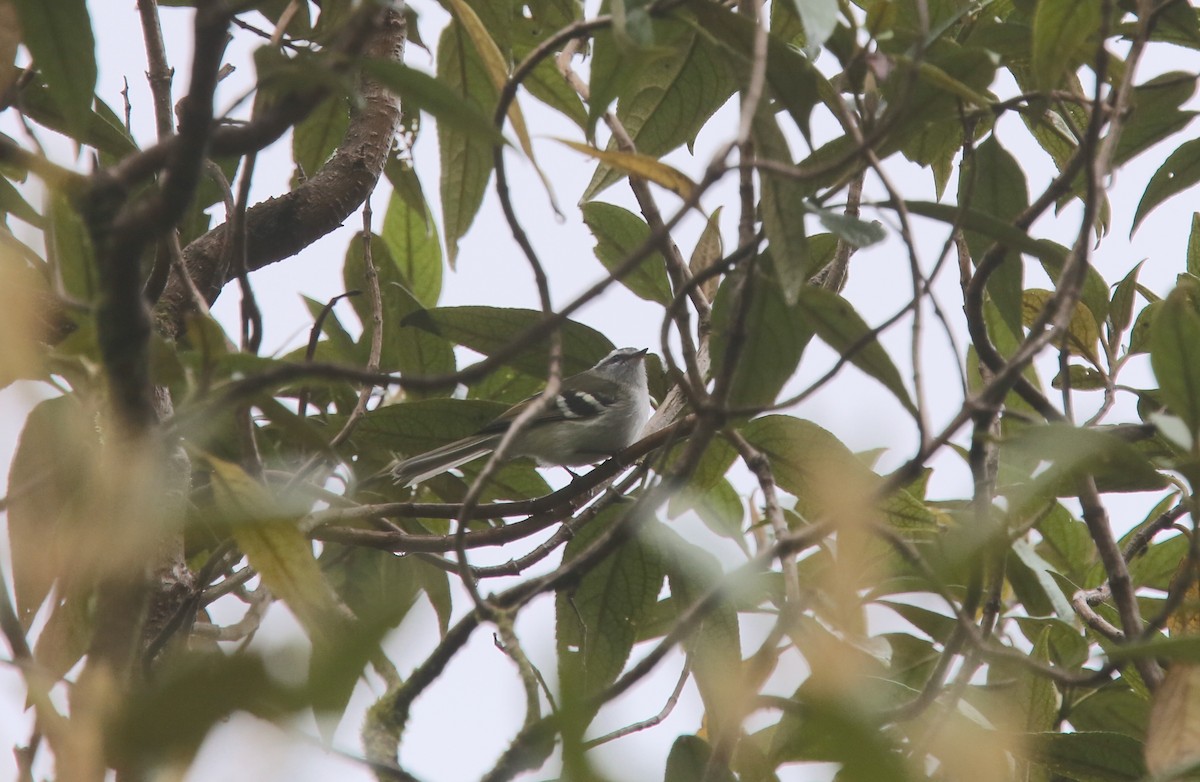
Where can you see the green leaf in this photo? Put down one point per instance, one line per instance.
(835, 321)
(413, 244)
(505, 385)
(1087, 757)
(548, 86)
(436, 585)
(993, 183)
(783, 209)
(456, 102)
(910, 516)
(1156, 113)
(334, 332)
(1175, 353)
(618, 232)
(670, 98)
(936, 626)
(785, 24)
(70, 248)
(1143, 328)
(281, 424)
(1095, 288)
(1065, 645)
(1185, 648)
(406, 349)
(941, 79)
(47, 488)
(169, 716)
(1030, 578)
(719, 507)
(10, 41)
(850, 229)
(776, 336)
(615, 64)
(1052, 132)
(812, 464)
(281, 76)
(1082, 379)
(1158, 564)
(714, 648)
(792, 79)
(1176, 23)
(1178, 172)
(1059, 455)
(377, 586)
(1007, 345)
(718, 457)
(1120, 312)
(820, 20)
(99, 130)
(1112, 708)
(1193, 247)
(830, 727)
(597, 622)
(689, 759)
(545, 82)
(1059, 32)
(923, 95)
(411, 428)
(494, 16)
(318, 135)
(516, 480)
(974, 220)
(196, 219)
(466, 158)
(935, 146)
(486, 38)
(1066, 543)
(67, 634)
(12, 202)
(1037, 698)
(407, 185)
(488, 329)
(59, 36)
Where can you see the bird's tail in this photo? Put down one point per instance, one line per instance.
(427, 465)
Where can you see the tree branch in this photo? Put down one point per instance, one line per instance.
(279, 228)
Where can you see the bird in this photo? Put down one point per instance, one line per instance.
(595, 414)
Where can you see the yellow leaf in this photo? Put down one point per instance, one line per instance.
(1082, 334)
(1173, 730)
(267, 534)
(497, 70)
(1185, 620)
(708, 251)
(493, 62)
(21, 292)
(639, 165)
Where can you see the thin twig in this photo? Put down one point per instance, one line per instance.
(635, 727)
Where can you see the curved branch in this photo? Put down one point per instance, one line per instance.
(278, 228)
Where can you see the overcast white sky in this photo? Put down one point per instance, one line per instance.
(463, 723)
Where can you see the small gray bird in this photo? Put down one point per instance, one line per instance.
(596, 414)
